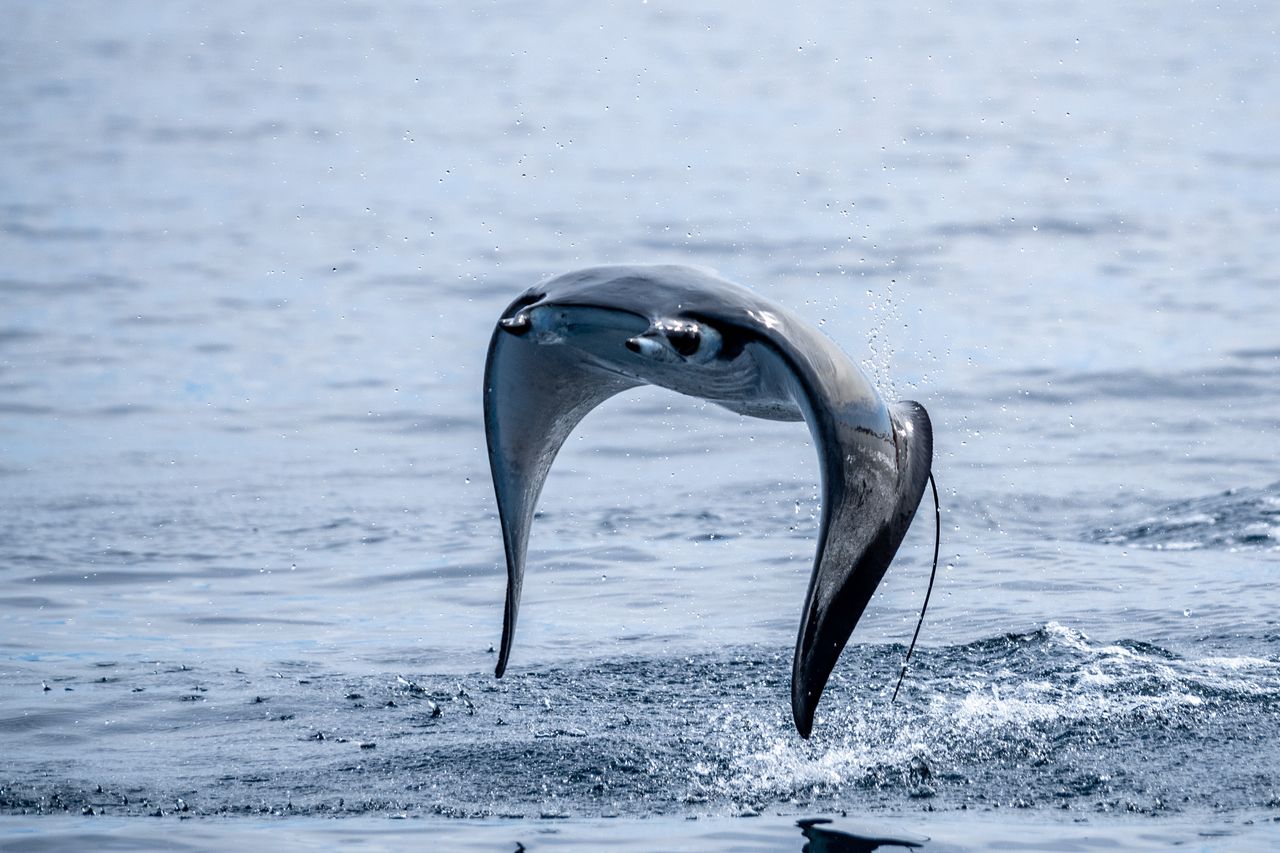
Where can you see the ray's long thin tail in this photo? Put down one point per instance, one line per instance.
(937, 542)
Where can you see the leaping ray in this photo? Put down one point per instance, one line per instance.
(565, 346)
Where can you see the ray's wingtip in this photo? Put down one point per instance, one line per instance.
(802, 714)
(501, 667)
(804, 727)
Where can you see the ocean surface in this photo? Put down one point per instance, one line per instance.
(251, 573)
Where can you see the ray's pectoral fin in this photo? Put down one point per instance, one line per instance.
(872, 483)
(534, 395)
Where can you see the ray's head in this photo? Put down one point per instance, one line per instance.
(630, 330)
(675, 327)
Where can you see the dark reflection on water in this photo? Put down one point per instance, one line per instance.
(822, 839)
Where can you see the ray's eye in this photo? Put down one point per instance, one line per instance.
(685, 340)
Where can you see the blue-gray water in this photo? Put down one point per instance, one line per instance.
(249, 261)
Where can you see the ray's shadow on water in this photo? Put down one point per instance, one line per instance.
(822, 838)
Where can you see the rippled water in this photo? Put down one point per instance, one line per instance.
(249, 261)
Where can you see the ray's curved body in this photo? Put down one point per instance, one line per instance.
(567, 345)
